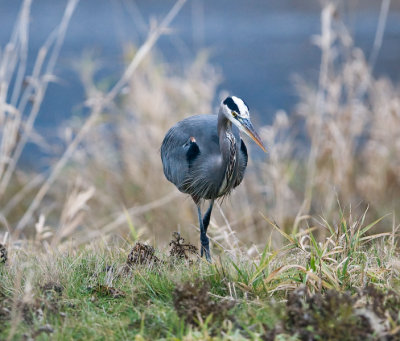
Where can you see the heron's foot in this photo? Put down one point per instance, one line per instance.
(205, 247)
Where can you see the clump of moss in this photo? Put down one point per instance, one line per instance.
(52, 287)
(29, 311)
(333, 315)
(142, 254)
(382, 303)
(192, 302)
(3, 254)
(105, 290)
(330, 316)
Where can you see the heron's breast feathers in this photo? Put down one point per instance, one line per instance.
(230, 168)
(228, 181)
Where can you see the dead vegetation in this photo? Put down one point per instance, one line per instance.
(142, 254)
(347, 152)
(145, 254)
(182, 250)
(3, 254)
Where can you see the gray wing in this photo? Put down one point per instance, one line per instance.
(194, 169)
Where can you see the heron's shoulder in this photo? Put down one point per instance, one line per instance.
(199, 120)
(198, 126)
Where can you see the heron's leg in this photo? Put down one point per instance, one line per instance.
(207, 216)
(205, 244)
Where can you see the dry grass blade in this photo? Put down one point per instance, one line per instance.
(40, 89)
(98, 106)
(122, 217)
(282, 269)
(18, 43)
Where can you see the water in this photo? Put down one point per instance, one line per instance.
(258, 45)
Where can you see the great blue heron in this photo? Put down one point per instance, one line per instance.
(205, 157)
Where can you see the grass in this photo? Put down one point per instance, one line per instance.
(347, 285)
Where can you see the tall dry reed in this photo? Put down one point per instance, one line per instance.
(340, 146)
(346, 155)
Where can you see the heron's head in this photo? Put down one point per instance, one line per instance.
(237, 112)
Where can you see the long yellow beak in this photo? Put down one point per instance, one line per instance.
(250, 131)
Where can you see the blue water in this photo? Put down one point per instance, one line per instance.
(258, 45)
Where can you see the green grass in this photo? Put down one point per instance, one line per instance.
(341, 287)
(146, 310)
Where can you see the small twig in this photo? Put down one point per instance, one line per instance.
(325, 43)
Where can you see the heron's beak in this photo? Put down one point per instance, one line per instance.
(248, 128)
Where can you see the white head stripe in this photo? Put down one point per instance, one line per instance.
(244, 111)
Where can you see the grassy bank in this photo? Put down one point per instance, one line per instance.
(343, 288)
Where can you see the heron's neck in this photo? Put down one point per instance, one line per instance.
(226, 138)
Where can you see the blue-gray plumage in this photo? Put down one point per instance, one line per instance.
(205, 157)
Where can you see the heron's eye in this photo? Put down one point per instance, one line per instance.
(234, 113)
